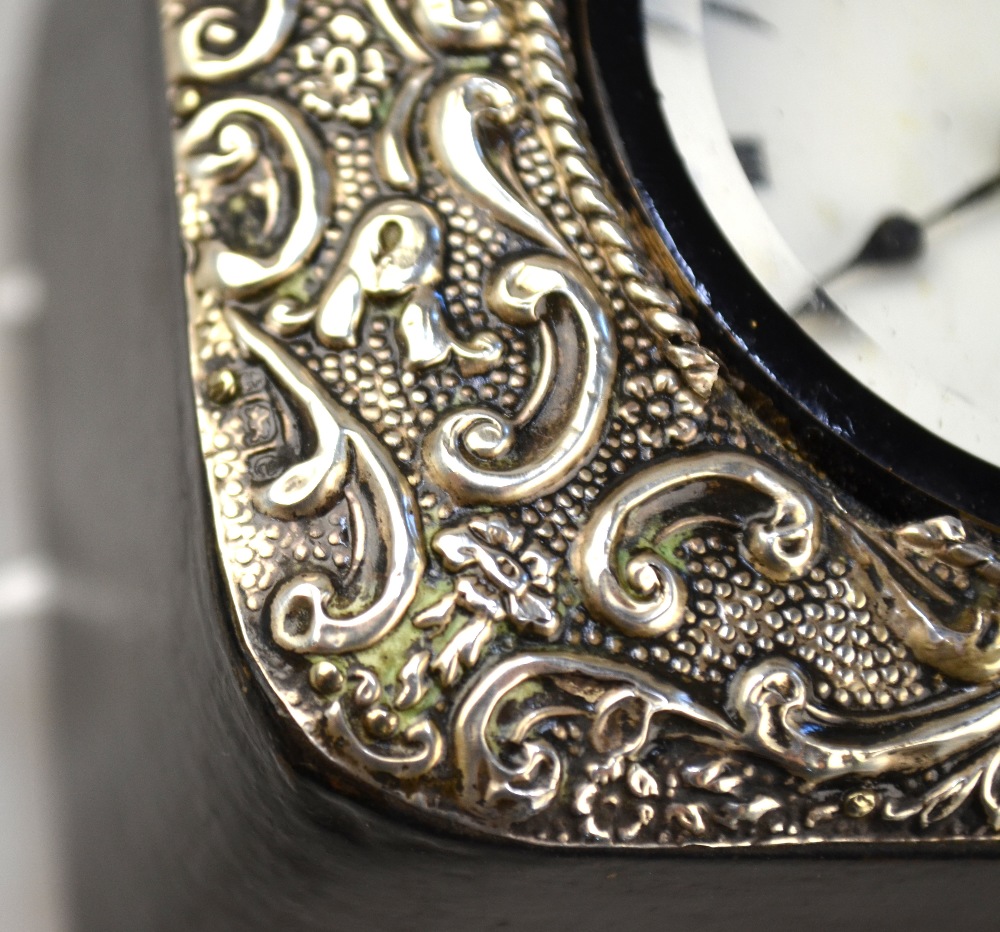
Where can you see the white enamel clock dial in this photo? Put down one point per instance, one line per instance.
(804, 126)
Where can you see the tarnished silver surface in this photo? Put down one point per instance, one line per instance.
(501, 542)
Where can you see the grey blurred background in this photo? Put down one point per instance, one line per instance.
(31, 897)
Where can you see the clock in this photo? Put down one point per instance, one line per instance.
(467, 507)
(831, 194)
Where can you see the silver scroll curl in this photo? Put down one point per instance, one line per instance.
(458, 115)
(771, 713)
(647, 596)
(422, 746)
(385, 512)
(473, 452)
(528, 776)
(207, 44)
(781, 721)
(220, 145)
(460, 25)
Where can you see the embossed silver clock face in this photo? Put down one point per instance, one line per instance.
(850, 151)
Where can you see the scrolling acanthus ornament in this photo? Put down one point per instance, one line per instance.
(426, 345)
(782, 544)
(771, 712)
(384, 515)
(460, 25)
(459, 116)
(220, 146)
(460, 451)
(208, 46)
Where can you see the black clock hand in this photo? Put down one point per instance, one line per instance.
(898, 239)
(736, 14)
(717, 9)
